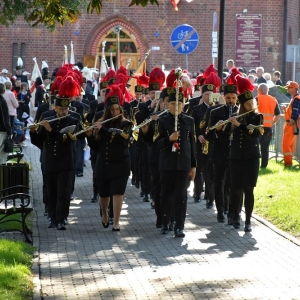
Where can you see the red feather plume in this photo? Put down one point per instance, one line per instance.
(198, 78)
(209, 69)
(62, 71)
(110, 74)
(69, 88)
(231, 79)
(56, 84)
(78, 75)
(122, 70)
(171, 79)
(244, 84)
(158, 76)
(143, 80)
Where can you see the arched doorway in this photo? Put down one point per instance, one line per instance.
(129, 50)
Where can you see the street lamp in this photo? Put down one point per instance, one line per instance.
(221, 38)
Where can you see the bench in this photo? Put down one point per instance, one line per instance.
(14, 202)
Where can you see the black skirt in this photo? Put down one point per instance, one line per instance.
(243, 173)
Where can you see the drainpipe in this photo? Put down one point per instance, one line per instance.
(284, 44)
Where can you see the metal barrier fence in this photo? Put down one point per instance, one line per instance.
(275, 149)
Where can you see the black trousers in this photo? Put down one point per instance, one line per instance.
(174, 186)
(58, 194)
(221, 187)
(201, 175)
(144, 170)
(93, 164)
(264, 141)
(155, 175)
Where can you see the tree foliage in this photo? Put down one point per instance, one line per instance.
(52, 12)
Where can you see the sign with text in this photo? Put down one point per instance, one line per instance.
(248, 40)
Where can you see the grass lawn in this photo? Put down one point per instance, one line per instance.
(15, 272)
(277, 197)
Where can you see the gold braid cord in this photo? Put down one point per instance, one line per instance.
(156, 131)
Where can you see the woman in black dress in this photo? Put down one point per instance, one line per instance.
(244, 153)
(23, 98)
(111, 142)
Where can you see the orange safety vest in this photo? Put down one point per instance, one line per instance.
(289, 110)
(266, 106)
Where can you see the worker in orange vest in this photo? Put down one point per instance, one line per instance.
(268, 106)
(290, 128)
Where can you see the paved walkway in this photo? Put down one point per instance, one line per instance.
(213, 261)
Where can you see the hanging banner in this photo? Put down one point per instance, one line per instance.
(248, 40)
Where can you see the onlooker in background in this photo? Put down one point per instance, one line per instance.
(251, 78)
(23, 98)
(5, 128)
(290, 130)
(230, 64)
(259, 74)
(267, 77)
(269, 108)
(276, 78)
(19, 133)
(12, 102)
(4, 76)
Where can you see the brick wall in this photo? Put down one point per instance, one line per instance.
(144, 22)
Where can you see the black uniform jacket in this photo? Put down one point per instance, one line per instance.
(189, 107)
(58, 148)
(198, 115)
(221, 138)
(39, 96)
(154, 150)
(245, 145)
(113, 158)
(184, 158)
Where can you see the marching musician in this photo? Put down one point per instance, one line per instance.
(148, 134)
(244, 152)
(111, 141)
(211, 84)
(176, 167)
(58, 155)
(221, 143)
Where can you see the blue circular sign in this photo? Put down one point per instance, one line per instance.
(184, 39)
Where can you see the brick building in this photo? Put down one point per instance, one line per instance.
(151, 26)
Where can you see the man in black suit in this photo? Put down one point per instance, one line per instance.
(177, 162)
(221, 148)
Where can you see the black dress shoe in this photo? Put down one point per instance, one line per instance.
(171, 226)
(247, 228)
(79, 175)
(142, 194)
(94, 198)
(116, 229)
(60, 226)
(146, 198)
(179, 233)
(197, 199)
(51, 225)
(208, 205)
(220, 218)
(164, 230)
(236, 224)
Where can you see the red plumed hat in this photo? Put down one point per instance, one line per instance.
(114, 96)
(231, 78)
(62, 71)
(198, 79)
(156, 79)
(143, 80)
(56, 84)
(208, 70)
(171, 79)
(122, 70)
(78, 76)
(69, 88)
(212, 80)
(109, 77)
(245, 88)
(79, 79)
